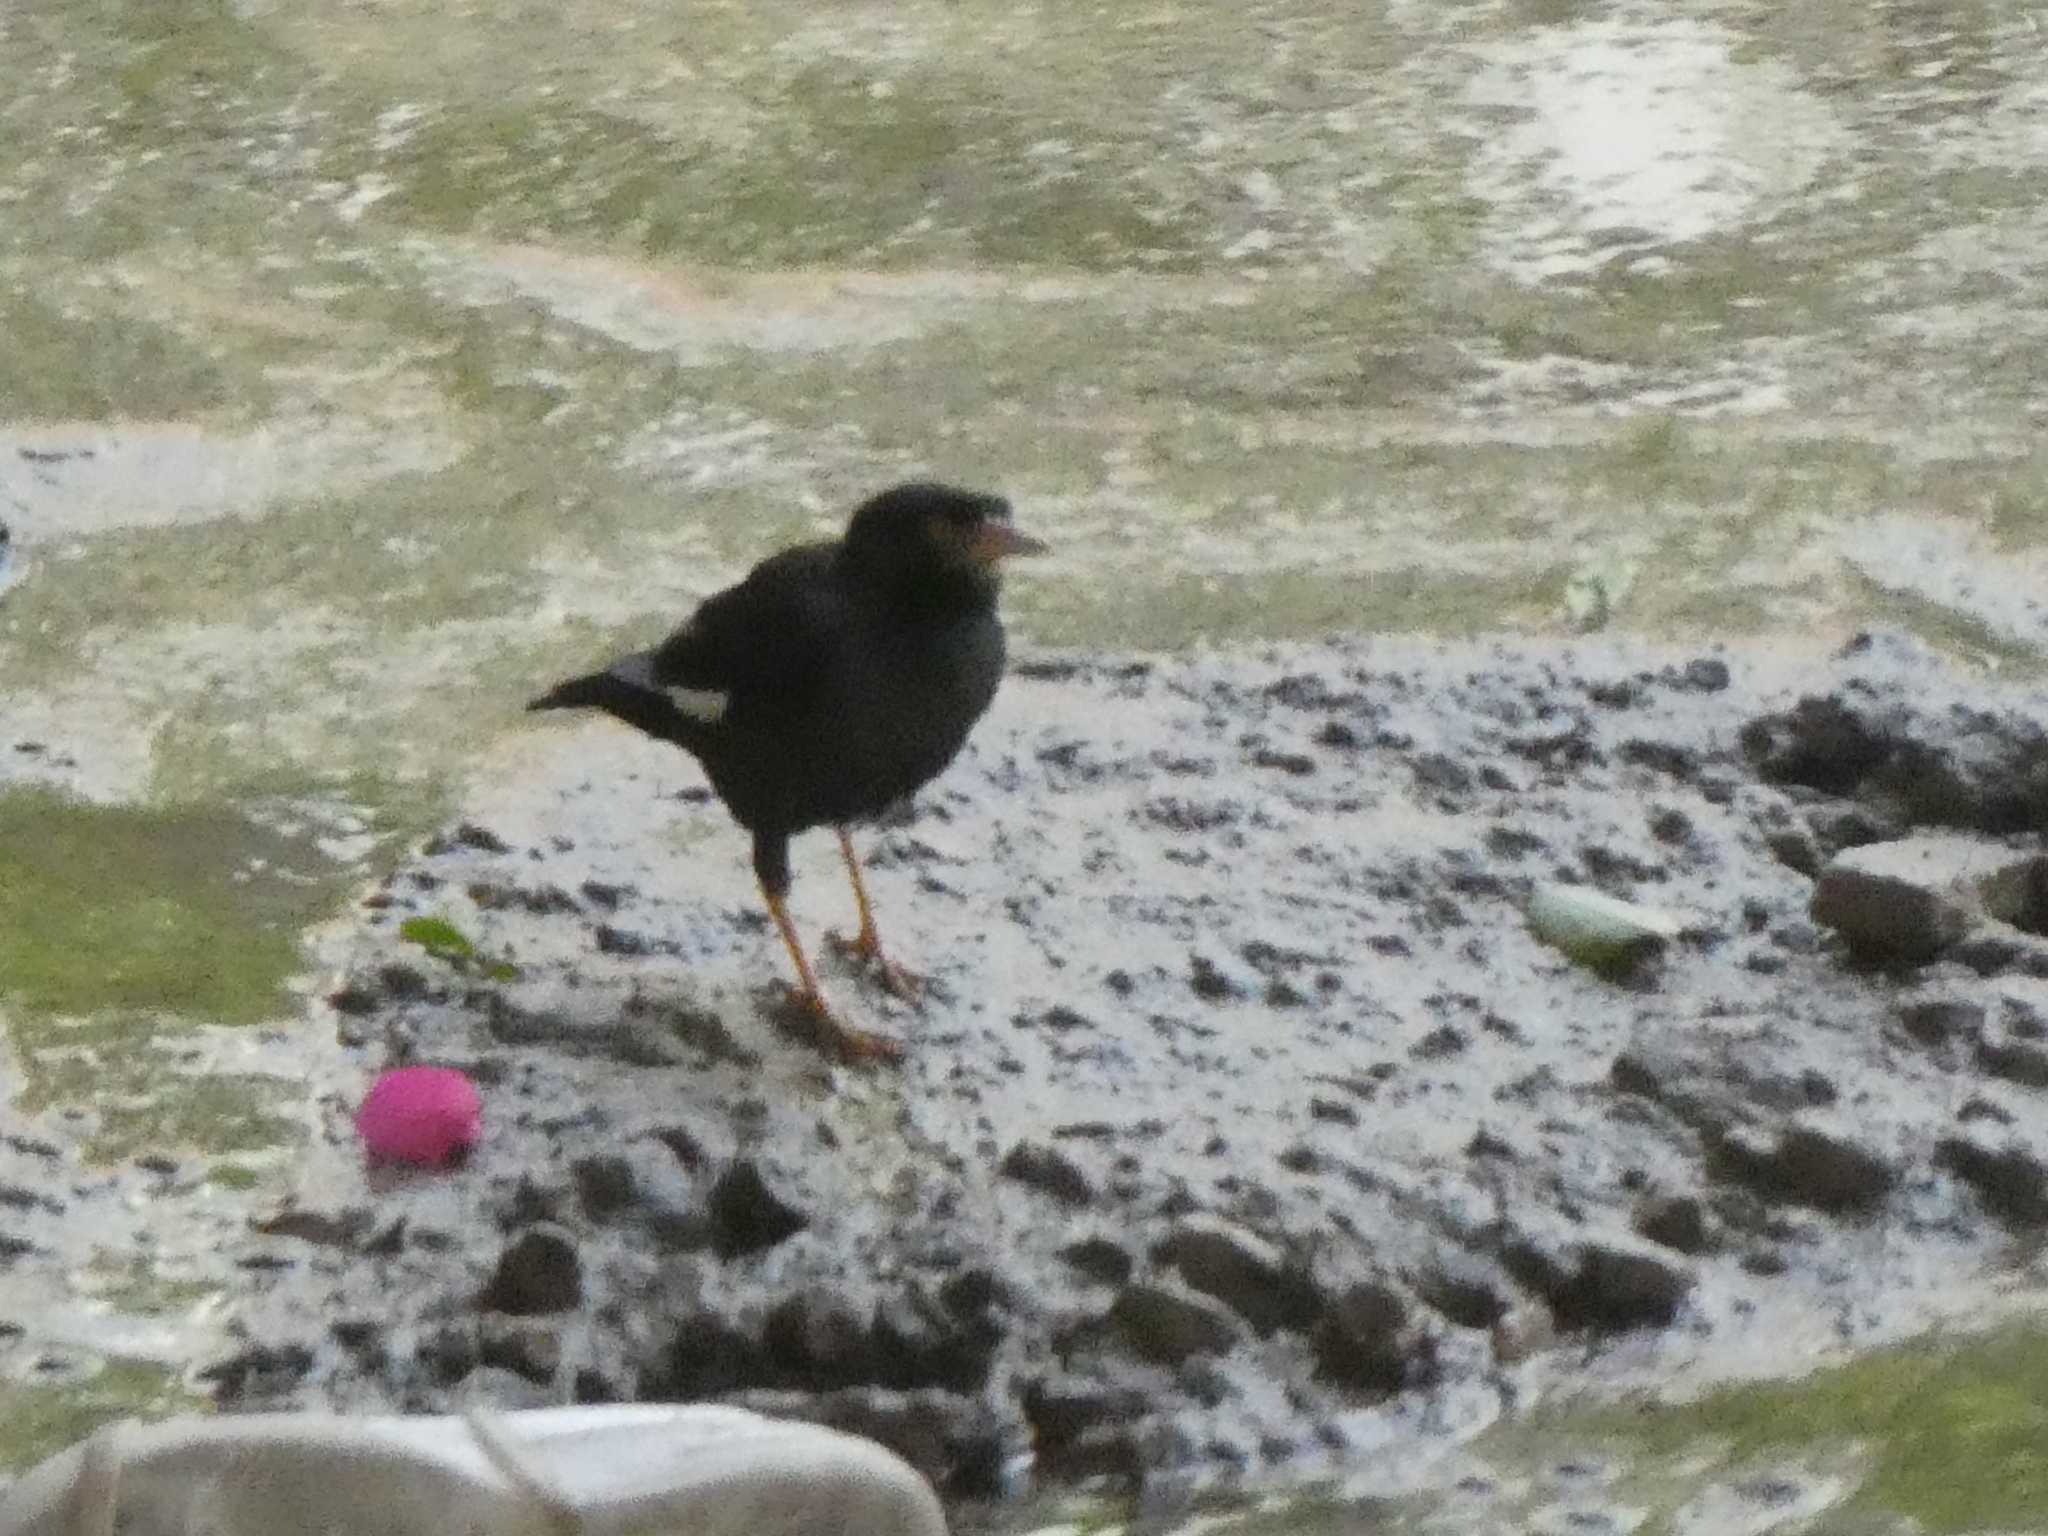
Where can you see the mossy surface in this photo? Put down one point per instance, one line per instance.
(188, 911)
(36, 1421)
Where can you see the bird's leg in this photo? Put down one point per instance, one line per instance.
(853, 1044)
(866, 946)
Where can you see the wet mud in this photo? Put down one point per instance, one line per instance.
(1245, 1128)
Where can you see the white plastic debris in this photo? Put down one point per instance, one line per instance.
(626, 1470)
(1596, 928)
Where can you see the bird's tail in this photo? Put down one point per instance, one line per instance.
(625, 691)
(599, 690)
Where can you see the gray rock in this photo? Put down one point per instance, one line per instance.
(1677, 1222)
(1100, 1259)
(1909, 900)
(1824, 1166)
(1244, 1272)
(2018, 1058)
(528, 1349)
(1937, 1016)
(539, 1272)
(1165, 1324)
(1048, 1169)
(1366, 1340)
(964, 1445)
(747, 1215)
(1602, 1285)
(2009, 1177)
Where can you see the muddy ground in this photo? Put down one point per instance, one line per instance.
(1245, 1128)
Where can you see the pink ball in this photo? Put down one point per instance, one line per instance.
(420, 1115)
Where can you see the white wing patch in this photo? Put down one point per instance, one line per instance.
(704, 705)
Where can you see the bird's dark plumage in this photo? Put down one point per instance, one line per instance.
(834, 680)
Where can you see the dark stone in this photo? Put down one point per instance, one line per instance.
(539, 1272)
(1297, 763)
(260, 1371)
(1600, 1286)
(1064, 1408)
(471, 835)
(708, 1354)
(334, 1229)
(622, 941)
(2003, 1053)
(363, 1335)
(1364, 1341)
(530, 1350)
(1244, 1272)
(747, 1216)
(2010, 1179)
(541, 901)
(1469, 1290)
(1332, 1111)
(1805, 1165)
(1100, 1259)
(1165, 1324)
(604, 1184)
(1442, 773)
(1049, 1170)
(1704, 674)
(1211, 982)
(961, 1444)
(1940, 1018)
(354, 999)
(1819, 742)
(819, 1338)
(1676, 1221)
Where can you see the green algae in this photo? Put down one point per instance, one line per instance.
(96, 363)
(37, 1421)
(191, 911)
(131, 1285)
(124, 929)
(1953, 1432)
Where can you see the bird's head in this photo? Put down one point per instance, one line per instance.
(924, 532)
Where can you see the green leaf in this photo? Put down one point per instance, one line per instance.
(437, 936)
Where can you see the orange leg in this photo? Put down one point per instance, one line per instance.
(853, 1044)
(866, 946)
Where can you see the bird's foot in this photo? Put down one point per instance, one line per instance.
(855, 1046)
(865, 947)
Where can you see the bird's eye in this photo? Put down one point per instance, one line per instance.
(964, 516)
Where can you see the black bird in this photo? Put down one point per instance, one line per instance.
(837, 679)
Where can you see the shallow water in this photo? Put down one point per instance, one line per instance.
(365, 364)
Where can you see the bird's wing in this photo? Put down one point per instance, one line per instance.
(772, 635)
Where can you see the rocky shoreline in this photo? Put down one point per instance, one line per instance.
(1246, 1123)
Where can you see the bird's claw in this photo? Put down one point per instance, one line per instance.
(855, 1046)
(866, 949)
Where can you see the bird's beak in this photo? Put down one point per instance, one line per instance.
(999, 541)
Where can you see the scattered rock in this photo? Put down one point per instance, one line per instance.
(748, 1216)
(258, 1372)
(2009, 1177)
(539, 1272)
(1100, 1259)
(1165, 1324)
(1678, 1222)
(1828, 1169)
(1244, 1272)
(1907, 901)
(529, 1350)
(1049, 1170)
(1605, 1286)
(1364, 1341)
(1939, 1017)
